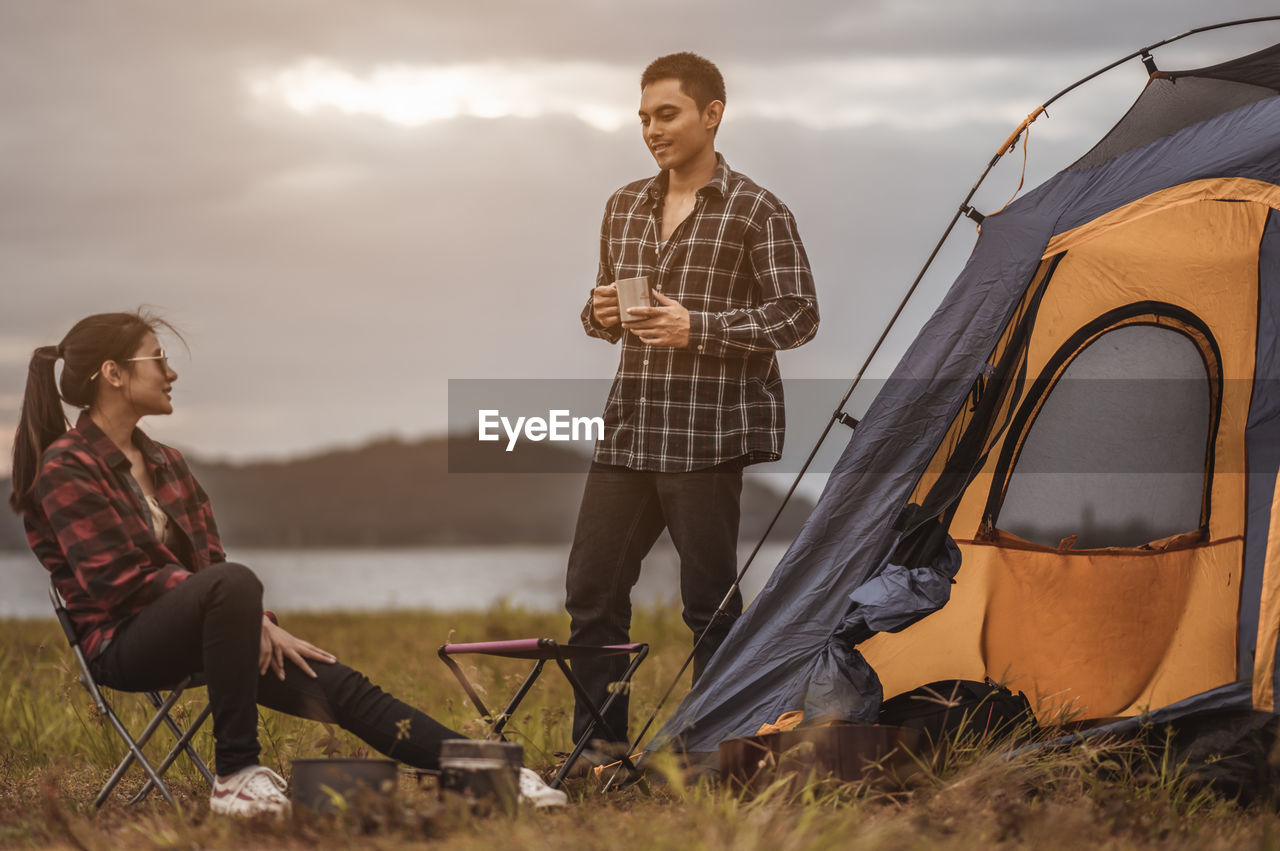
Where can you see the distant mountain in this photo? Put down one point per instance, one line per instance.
(11, 534)
(395, 493)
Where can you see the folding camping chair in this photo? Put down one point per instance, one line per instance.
(543, 650)
(162, 707)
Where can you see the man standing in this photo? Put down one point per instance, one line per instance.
(698, 395)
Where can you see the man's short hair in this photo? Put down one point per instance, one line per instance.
(699, 78)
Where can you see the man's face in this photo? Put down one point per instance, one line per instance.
(675, 130)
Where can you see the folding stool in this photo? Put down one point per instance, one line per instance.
(543, 650)
(161, 716)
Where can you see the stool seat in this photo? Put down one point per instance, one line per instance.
(539, 648)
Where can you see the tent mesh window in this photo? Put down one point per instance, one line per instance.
(1115, 459)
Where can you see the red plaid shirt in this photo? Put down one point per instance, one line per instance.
(737, 265)
(90, 527)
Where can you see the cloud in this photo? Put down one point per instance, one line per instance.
(412, 95)
(853, 92)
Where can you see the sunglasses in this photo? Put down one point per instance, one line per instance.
(162, 357)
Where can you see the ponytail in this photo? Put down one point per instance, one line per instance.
(42, 422)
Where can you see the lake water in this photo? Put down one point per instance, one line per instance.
(436, 578)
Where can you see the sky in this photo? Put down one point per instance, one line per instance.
(344, 205)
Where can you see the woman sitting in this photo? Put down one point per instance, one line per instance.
(130, 539)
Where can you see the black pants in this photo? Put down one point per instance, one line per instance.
(623, 513)
(212, 623)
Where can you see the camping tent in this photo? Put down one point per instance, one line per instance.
(1084, 437)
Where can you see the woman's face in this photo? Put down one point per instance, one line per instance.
(148, 380)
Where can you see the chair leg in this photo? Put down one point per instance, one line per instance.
(135, 751)
(597, 723)
(192, 754)
(465, 683)
(519, 696)
(190, 732)
(183, 744)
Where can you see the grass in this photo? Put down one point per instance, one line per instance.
(55, 753)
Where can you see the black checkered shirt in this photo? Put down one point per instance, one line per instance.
(737, 265)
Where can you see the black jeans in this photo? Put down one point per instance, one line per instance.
(212, 623)
(623, 513)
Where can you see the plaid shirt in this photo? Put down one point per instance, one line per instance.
(737, 265)
(90, 527)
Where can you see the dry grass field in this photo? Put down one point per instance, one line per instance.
(55, 753)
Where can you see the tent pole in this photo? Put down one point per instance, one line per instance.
(963, 209)
(1151, 47)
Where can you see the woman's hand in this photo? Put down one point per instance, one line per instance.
(278, 645)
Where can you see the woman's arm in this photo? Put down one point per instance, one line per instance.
(201, 514)
(216, 552)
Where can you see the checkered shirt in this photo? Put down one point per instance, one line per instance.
(90, 527)
(737, 265)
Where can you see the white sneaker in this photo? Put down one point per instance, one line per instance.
(252, 791)
(537, 794)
